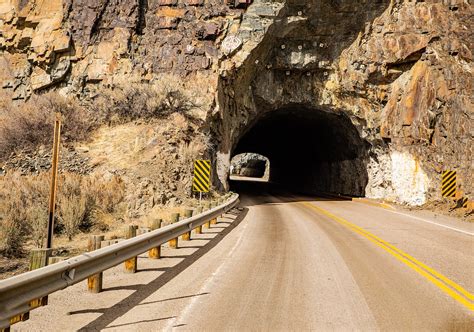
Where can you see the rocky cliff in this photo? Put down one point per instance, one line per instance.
(399, 72)
(74, 45)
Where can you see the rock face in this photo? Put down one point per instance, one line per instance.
(400, 72)
(73, 44)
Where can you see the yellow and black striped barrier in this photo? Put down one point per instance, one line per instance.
(202, 176)
(448, 187)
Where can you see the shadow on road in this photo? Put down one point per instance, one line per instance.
(143, 291)
(263, 193)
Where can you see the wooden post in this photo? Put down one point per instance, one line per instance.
(54, 175)
(94, 283)
(17, 319)
(174, 242)
(187, 236)
(221, 201)
(197, 211)
(55, 259)
(208, 206)
(131, 264)
(214, 221)
(155, 253)
(38, 258)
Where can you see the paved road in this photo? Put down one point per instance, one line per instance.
(290, 263)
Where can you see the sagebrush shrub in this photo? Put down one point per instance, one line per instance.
(13, 223)
(31, 124)
(72, 211)
(125, 103)
(24, 206)
(38, 217)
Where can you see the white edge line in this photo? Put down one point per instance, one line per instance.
(431, 222)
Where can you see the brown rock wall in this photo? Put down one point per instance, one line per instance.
(400, 70)
(71, 44)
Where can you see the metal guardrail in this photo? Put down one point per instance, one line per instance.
(16, 293)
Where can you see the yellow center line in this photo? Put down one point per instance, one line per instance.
(365, 201)
(461, 295)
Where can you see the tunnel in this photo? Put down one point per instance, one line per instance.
(310, 150)
(250, 165)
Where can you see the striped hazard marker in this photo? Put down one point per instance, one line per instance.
(202, 176)
(448, 187)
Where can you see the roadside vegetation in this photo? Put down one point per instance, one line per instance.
(27, 125)
(84, 203)
(140, 102)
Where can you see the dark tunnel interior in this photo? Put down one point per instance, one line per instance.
(250, 167)
(310, 150)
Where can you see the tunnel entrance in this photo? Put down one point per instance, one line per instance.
(250, 165)
(310, 150)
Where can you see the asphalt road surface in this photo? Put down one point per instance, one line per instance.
(289, 262)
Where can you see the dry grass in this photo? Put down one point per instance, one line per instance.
(87, 203)
(129, 102)
(23, 207)
(28, 125)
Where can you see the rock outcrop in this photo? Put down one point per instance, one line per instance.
(73, 45)
(401, 71)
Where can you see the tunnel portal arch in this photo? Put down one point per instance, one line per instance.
(290, 75)
(310, 150)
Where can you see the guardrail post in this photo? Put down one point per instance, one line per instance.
(187, 236)
(213, 205)
(174, 242)
(197, 211)
(207, 206)
(38, 259)
(55, 259)
(94, 282)
(220, 201)
(155, 253)
(131, 264)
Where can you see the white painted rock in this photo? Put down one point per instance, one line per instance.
(230, 45)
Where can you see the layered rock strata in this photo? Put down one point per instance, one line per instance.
(400, 71)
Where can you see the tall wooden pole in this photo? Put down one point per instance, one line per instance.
(54, 176)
